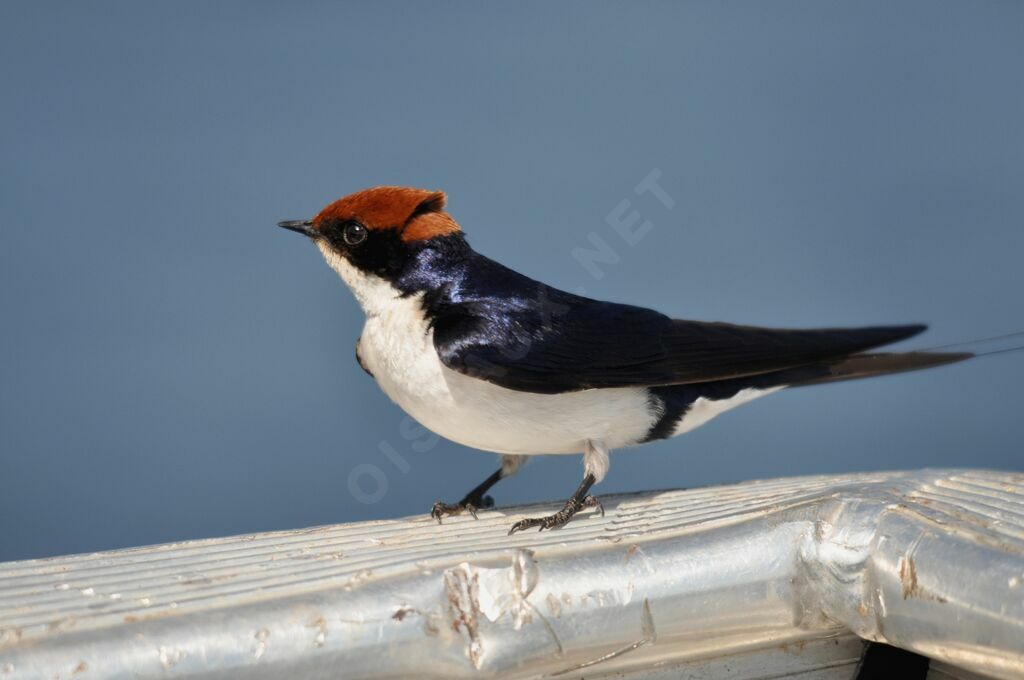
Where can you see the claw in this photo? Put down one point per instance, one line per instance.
(438, 511)
(560, 518)
(441, 509)
(592, 502)
(523, 524)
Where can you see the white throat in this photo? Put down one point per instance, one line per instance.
(374, 294)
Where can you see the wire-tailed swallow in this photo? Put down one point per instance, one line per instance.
(495, 360)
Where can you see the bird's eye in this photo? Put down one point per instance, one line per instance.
(354, 233)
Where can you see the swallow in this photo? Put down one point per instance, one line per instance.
(494, 360)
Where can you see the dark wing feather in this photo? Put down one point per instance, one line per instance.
(547, 341)
(699, 351)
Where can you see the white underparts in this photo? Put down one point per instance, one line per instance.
(595, 459)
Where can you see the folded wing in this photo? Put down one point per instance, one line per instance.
(558, 342)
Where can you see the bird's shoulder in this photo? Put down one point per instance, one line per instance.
(495, 323)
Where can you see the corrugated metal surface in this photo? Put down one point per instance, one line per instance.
(768, 577)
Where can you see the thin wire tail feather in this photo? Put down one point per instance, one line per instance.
(1005, 350)
(980, 341)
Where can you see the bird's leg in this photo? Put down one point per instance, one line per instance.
(579, 500)
(476, 499)
(595, 467)
(473, 501)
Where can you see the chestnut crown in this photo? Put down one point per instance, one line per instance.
(415, 214)
(374, 229)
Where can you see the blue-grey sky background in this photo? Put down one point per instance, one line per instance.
(173, 366)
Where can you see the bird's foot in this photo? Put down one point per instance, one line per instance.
(468, 504)
(560, 518)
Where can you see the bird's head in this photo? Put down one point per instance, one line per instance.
(369, 237)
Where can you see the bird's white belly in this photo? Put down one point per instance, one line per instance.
(398, 349)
